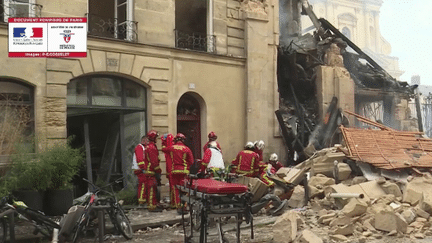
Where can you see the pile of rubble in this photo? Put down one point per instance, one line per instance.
(346, 207)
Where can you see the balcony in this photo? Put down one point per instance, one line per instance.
(18, 9)
(112, 28)
(195, 41)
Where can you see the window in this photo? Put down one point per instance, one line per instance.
(19, 8)
(193, 25)
(346, 32)
(107, 91)
(16, 116)
(112, 19)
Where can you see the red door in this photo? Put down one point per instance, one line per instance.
(188, 123)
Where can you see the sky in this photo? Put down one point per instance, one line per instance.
(407, 26)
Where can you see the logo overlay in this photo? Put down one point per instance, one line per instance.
(47, 37)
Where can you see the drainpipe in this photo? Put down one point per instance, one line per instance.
(210, 44)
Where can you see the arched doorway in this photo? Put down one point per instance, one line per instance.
(189, 122)
(107, 116)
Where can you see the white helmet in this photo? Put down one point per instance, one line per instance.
(259, 145)
(273, 157)
(249, 145)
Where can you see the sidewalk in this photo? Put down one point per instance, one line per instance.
(140, 218)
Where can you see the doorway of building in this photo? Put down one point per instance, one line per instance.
(188, 123)
(106, 115)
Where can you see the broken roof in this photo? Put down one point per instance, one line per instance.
(388, 149)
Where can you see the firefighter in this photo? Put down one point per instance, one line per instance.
(212, 160)
(168, 141)
(264, 168)
(212, 137)
(152, 171)
(246, 162)
(138, 160)
(182, 159)
(259, 148)
(275, 165)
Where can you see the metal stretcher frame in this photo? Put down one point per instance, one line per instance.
(204, 206)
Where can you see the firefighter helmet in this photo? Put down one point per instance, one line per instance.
(152, 135)
(273, 157)
(212, 136)
(259, 145)
(180, 137)
(249, 145)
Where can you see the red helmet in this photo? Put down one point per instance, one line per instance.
(152, 135)
(180, 137)
(212, 136)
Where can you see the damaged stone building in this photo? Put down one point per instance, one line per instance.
(321, 59)
(190, 66)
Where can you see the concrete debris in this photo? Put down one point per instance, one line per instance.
(389, 221)
(308, 236)
(389, 208)
(285, 227)
(355, 207)
(297, 199)
(326, 218)
(358, 179)
(421, 213)
(419, 236)
(344, 230)
(391, 188)
(409, 215)
(338, 237)
(320, 180)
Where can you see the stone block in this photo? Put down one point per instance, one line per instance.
(338, 238)
(236, 42)
(389, 221)
(344, 230)
(355, 207)
(56, 132)
(99, 60)
(159, 85)
(391, 188)
(344, 220)
(236, 51)
(113, 61)
(325, 217)
(282, 172)
(358, 179)
(55, 118)
(68, 65)
(408, 215)
(237, 33)
(320, 180)
(308, 236)
(56, 91)
(297, 199)
(126, 62)
(315, 192)
(421, 213)
(59, 77)
(55, 105)
(285, 227)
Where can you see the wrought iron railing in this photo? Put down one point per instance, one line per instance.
(195, 41)
(112, 28)
(16, 8)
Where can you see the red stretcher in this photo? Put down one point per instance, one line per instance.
(216, 201)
